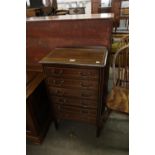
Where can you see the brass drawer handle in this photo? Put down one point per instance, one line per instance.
(84, 106)
(58, 82)
(85, 73)
(62, 100)
(57, 72)
(85, 85)
(59, 92)
(85, 95)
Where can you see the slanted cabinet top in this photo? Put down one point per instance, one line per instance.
(95, 57)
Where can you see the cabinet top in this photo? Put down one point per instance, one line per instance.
(72, 17)
(95, 57)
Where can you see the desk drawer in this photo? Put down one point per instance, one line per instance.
(74, 102)
(71, 72)
(69, 83)
(86, 94)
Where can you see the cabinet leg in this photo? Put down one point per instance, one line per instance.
(98, 131)
(101, 124)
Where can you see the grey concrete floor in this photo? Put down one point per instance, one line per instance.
(75, 138)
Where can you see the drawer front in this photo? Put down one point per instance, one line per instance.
(75, 113)
(74, 102)
(69, 83)
(71, 72)
(75, 110)
(79, 118)
(85, 94)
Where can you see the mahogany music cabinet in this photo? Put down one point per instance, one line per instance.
(76, 80)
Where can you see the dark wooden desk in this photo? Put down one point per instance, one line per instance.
(38, 114)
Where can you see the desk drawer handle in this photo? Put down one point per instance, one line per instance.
(57, 72)
(85, 73)
(58, 82)
(84, 106)
(85, 95)
(85, 85)
(62, 100)
(59, 92)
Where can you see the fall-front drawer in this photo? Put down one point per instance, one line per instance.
(70, 83)
(86, 94)
(74, 102)
(79, 73)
